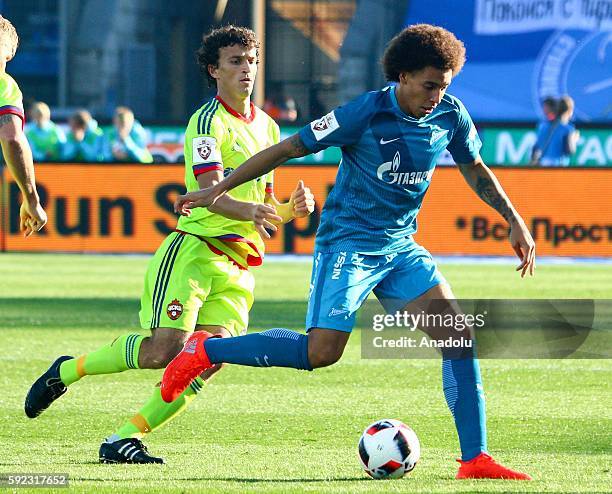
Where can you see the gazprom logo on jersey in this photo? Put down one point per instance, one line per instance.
(388, 172)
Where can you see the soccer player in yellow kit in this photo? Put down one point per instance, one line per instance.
(199, 277)
(15, 147)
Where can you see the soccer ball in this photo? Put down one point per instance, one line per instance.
(388, 449)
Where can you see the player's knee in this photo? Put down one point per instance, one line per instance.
(161, 357)
(325, 347)
(159, 350)
(323, 357)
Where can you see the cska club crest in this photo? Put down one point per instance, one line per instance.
(204, 150)
(174, 310)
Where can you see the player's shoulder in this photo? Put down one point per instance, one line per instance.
(205, 118)
(7, 80)
(264, 119)
(9, 89)
(372, 100)
(362, 107)
(452, 103)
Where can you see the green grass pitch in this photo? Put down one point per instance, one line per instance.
(279, 430)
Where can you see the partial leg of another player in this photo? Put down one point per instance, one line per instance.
(204, 291)
(125, 445)
(181, 300)
(121, 354)
(131, 351)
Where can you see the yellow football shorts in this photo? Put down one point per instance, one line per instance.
(187, 285)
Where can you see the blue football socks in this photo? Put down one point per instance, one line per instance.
(276, 347)
(465, 398)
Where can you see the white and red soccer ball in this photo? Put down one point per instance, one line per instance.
(388, 449)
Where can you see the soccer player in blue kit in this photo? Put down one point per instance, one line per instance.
(390, 141)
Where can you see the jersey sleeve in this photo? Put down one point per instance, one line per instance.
(11, 100)
(205, 140)
(465, 143)
(340, 127)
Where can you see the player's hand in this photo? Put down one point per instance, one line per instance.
(302, 200)
(32, 218)
(524, 246)
(198, 199)
(262, 215)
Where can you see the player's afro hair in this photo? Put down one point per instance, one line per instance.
(208, 53)
(420, 46)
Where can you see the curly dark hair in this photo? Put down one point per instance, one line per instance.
(420, 46)
(208, 53)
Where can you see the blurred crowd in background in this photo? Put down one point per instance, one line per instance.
(83, 140)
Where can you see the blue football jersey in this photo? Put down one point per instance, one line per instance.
(551, 141)
(388, 159)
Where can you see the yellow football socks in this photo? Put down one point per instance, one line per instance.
(118, 356)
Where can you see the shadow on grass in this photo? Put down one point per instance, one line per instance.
(233, 479)
(120, 313)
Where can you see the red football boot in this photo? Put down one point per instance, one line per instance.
(186, 366)
(485, 467)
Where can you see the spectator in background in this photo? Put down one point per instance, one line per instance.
(557, 139)
(84, 141)
(282, 109)
(46, 139)
(126, 141)
(549, 108)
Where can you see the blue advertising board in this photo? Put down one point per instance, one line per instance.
(521, 51)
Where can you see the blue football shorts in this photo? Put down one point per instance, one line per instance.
(341, 282)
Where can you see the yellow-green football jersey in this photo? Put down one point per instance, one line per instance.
(11, 100)
(219, 138)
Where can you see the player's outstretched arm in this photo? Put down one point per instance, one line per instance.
(18, 156)
(256, 166)
(482, 180)
(263, 216)
(300, 204)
